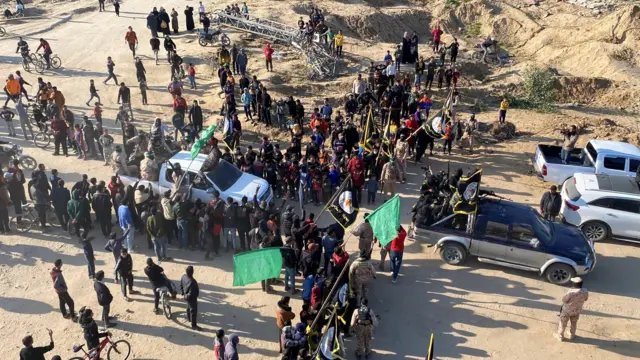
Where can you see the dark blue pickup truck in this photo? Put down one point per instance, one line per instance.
(513, 235)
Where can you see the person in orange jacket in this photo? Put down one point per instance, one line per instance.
(448, 138)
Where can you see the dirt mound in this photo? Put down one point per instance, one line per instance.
(579, 89)
(502, 131)
(608, 129)
(386, 27)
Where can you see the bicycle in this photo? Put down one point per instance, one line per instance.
(121, 350)
(56, 63)
(491, 58)
(28, 59)
(30, 216)
(42, 138)
(165, 298)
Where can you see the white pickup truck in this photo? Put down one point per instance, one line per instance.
(598, 157)
(226, 178)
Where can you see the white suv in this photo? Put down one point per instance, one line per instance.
(602, 206)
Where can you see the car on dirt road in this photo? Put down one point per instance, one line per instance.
(226, 178)
(512, 235)
(602, 206)
(598, 157)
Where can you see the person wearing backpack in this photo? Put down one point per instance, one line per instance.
(362, 322)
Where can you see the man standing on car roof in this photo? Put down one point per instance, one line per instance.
(572, 304)
(550, 204)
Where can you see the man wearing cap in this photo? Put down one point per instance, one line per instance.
(361, 273)
(572, 304)
(550, 204)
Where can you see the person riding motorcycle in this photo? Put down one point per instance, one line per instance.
(486, 46)
(158, 280)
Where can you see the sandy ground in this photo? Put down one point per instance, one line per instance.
(475, 311)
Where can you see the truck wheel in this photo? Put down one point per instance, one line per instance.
(595, 230)
(559, 273)
(453, 253)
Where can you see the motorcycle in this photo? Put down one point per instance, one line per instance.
(209, 37)
(10, 152)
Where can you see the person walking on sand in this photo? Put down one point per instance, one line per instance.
(60, 286)
(502, 114)
(110, 66)
(132, 40)
(190, 290)
(283, 315)
(268, 54)
(116, 7)
(35, 353)
(550, 204)
(572, 304)
(104, 298)
(363, 322)
(174, 21)
(94, 93)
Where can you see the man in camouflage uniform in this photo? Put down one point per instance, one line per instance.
(362, 322)
(106, 141)
(390, 174)
(572, 304)
(119, 163)
(149, 168)
(401, 152)
(364, 232)
(361, 273)
(140, 144)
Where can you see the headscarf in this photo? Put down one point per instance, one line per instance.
(230, 350)
(406, 35)
(300, 331)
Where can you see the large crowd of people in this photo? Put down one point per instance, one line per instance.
(369, 140)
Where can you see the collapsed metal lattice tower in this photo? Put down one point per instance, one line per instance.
(321, 64)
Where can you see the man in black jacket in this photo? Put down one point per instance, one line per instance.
(190, 290)
(102, 207)
(35, 353)
(266, 107)
(243, 222)
(550, 204)
(195, 116)
(289, 260)
(104, 298)
(124, 267)
(158, 279)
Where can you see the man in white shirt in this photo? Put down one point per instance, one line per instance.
(358, 85)
(391, 71)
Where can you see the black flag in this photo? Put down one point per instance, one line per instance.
(344, 208)
(467, 191)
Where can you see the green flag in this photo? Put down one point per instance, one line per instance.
(253, 266)
(204, 137)
(386, 220)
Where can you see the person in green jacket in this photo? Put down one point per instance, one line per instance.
(78, 209)
(155, 228)
(181, 214)
(331, 39)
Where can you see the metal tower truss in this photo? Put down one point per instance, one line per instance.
(321, 63)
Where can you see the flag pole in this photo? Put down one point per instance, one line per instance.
(333, 197)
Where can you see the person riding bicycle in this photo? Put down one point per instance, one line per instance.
(158, 279)
(169, 46)
(90, 328)
(486, 46)
(47, 51)
(23, 48)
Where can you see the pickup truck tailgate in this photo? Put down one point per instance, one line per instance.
(538, 162)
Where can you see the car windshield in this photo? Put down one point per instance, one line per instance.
(542, 228)
(224, 175)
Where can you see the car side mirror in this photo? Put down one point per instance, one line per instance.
(535, 243)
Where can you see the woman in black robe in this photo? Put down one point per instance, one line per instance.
(188, 12)
(165, 21)
(406, 49)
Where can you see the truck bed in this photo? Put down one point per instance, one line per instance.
(552, 155)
